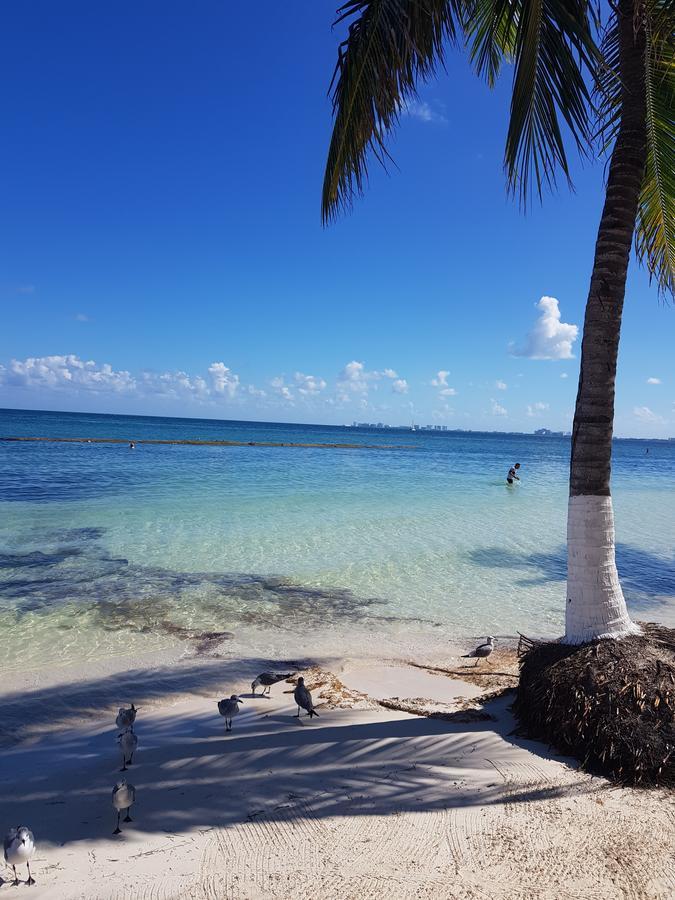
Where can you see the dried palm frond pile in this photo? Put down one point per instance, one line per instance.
(611, 704)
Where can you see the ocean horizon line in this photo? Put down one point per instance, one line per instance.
(380, 427)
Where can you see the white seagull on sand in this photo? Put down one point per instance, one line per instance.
(482, 651)
(19, 848)
(126, 718)
(267, 679)
(128, 742)
(228, 709)
(304, 699)
(123, 798)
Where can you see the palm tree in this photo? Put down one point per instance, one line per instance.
(393, 45)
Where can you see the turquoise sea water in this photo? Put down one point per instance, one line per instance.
(106, 551)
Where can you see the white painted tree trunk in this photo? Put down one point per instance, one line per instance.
(595, 603)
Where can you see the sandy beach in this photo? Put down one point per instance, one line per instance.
(325, 361)
(367, 800)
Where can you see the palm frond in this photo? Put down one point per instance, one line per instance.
(655, 235)
(491, 34)
(607, 87)
(554, 50)
(391, 46)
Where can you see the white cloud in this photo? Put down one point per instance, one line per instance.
(645, 414)
(172, 385)
(497, 409)
(66, 372)
(355, 379)
(81, 317)
(549, 338)
(441, 381)
(400, 386)
(653, 381)
(501, 385)
(72, 374)
(25, 289)
(420, 109)
(281, 388)
(534, 409)
(223, 381)
(309, 384)
(563, 375)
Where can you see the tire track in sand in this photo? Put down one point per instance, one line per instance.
(291, 853)
(566, 838)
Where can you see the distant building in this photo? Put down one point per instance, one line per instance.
(546, 432)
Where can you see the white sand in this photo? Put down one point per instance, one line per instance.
(359, 803)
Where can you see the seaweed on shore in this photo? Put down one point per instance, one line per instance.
(609, 703)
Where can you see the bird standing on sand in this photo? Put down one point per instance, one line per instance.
(128, 742)
(304, 699)
(228, 709)
(126, 718)
(267, 679)
(482, 651)
(19, 848)
(123, 798)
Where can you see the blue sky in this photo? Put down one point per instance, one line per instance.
(161, 250)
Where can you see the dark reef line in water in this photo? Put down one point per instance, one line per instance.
(195, 443)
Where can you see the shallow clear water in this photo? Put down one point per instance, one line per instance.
(105, 551)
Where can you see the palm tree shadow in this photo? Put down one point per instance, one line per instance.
(187, 767)
(645, 577)
(28, 716)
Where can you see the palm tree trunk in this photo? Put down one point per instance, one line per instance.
(595, 604)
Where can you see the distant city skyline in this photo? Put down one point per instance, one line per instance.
(363, 425)
(162, 250)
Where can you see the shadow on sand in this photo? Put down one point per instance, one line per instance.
(190, 775)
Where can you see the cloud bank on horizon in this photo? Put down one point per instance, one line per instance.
(71, 374)
(355, 389)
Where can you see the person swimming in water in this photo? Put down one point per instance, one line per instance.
(513, 474)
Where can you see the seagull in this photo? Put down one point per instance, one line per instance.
(126, 718)
(128, 742)
(304, 699)
(482, 651)
(19, 848)
(228, 709)
(267, 679)
(123, 797)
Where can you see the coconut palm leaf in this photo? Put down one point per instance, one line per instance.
(608, 87)
(554, 51)
(655, 232)
(655, 237)
(391, 46)
(491, 36)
